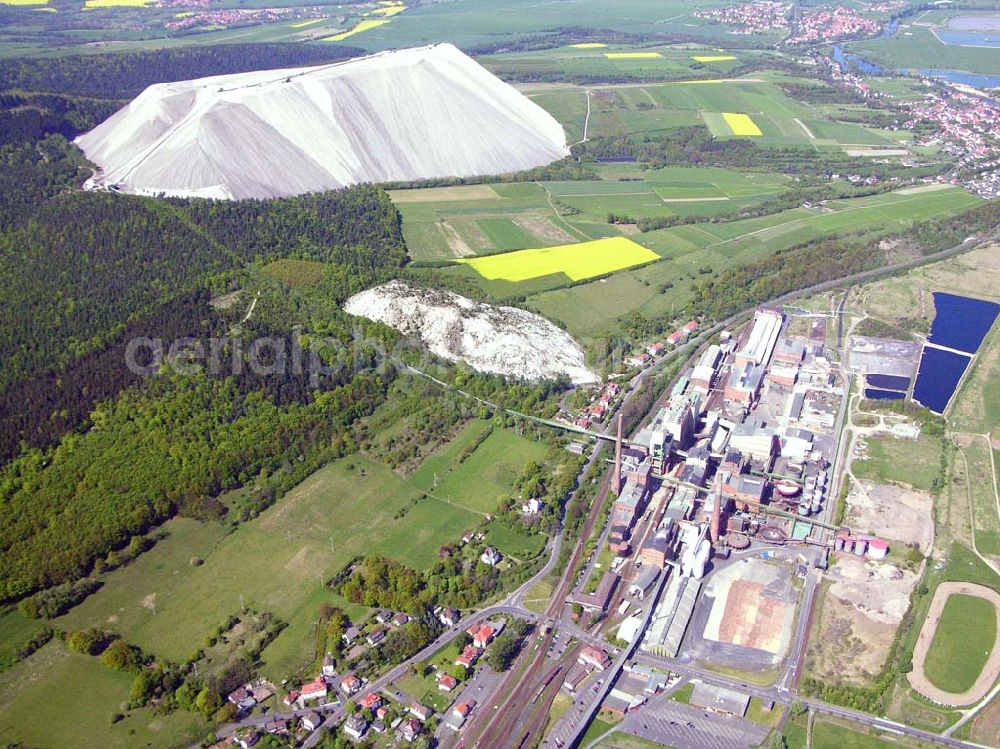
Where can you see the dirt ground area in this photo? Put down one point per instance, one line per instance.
(441, 194)
(544, 228)
(893, 512)
(991, 670)
(846, 645)
(879, 591)
(861, 610)
(986, 725)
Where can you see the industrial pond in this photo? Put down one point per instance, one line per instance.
(960, 324)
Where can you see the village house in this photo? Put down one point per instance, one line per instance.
(410, 729)
(421, 712)
(383, 616)
(490, 556)
(313, 690)
(356, 726)
(311, 721)
(350, 635)
(446, 682)
(370, 701)
(468, 657)
(375, 636)
(350, 684)
(449, 617)
(247, 738)
(400, 619)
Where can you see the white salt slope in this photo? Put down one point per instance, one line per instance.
(499, 340)
(409, 114)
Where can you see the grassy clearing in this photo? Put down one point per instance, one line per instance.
(890, 460)
(280, 561)
(574, 261)
(60, 698)
(758, 714)
(514, 542)
(15, 631)
(831, 734)
(619, 740)
(963, 640)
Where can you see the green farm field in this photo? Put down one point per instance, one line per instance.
(916, 47)
(454, 222)
(280, 561)
(471, 23)
(963, 640)
(589, 309)
(32, 712)
(652, 107)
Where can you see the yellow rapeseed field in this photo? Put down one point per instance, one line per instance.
(712, 58)
(741, 124)
(23, 2)
(578, 261)
(588, 45)
(310, 22)
(365, 25)
(115, 4)
(632, 55)
(388, 10)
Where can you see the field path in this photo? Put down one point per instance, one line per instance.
(805, 128)
(990, 671)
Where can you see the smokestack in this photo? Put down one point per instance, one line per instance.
(716, 511)
(616, 480)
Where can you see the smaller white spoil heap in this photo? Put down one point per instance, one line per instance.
(500, 340)
(394, 116)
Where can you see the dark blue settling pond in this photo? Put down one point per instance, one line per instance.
(883, 395)
(938, 377)
(888, 382)
(961, 322)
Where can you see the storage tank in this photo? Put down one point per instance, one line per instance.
(821, 479)
(838, 544)
(877, 548)
(803, 508)
(817, 505)
(860, 546)
(848, 545)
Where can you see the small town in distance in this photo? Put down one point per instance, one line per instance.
(499, 374)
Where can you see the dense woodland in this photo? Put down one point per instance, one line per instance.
(125, 75)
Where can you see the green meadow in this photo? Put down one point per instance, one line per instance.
(280, 561)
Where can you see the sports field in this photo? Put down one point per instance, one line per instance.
(964, 638)
(576, 261)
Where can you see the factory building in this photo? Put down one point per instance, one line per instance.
(743, 385)
(759, 345)
(753, 438)
(703, 374)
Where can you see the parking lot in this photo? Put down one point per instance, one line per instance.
(686, 727)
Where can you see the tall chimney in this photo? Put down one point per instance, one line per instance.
(616, 481)
(716, 511)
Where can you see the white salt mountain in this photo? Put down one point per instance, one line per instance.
(499, 340)
(402, 115)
